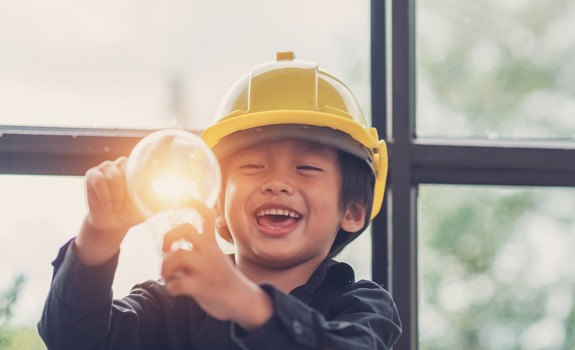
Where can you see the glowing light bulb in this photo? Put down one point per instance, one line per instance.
(166, 172)
(175, 188)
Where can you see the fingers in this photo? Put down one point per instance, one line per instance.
(105, 185)
(182, 282)
(116, 183)
(208, 218)
(180, 263)
(179, 286)
(183, 232)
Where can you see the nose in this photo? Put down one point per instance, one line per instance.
(277, 184)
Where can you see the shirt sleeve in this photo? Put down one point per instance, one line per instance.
(361, 317)
(79, 312)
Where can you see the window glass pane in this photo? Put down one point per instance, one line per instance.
(496, 69)
(496, 267)
(38, 214)
(358, 255)
(135, 64)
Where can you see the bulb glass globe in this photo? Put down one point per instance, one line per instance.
(166, 173)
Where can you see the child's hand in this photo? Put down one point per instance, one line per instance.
(111, 212)
(109, 203)
(207, 275)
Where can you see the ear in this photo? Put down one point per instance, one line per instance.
(353, 218)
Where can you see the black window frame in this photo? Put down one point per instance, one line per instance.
(413, 161)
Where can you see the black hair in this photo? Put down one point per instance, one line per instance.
(358, 182)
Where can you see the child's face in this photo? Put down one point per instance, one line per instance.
(282, 201)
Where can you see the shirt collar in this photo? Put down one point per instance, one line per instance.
(328, 273)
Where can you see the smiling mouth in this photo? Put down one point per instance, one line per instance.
(276, 218)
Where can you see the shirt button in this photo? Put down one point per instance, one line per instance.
(297, 327)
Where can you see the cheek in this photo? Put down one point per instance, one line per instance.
(228, 197)
(235, 197)
(332, 188)
(327, 197)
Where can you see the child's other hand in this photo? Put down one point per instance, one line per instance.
(207, 275)
(111, 212)
(109, 203)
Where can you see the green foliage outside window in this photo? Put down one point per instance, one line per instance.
(495, 264)
(495, 267)
(496, 69)
(15, 337)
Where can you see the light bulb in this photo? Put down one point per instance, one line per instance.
(166, 172)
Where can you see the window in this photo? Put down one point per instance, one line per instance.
(480, 124)
(154, 65)
(495, 69)
(82, 83)
(494, 267)
(475, 101)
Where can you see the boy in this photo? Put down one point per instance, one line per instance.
(303, 175)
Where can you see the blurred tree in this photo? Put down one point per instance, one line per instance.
(8, 299)
(492, 260)
(492, 268)
(496, 69)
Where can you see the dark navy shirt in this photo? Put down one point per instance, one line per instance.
(330, 311)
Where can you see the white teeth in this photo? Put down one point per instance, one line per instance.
(283, 212)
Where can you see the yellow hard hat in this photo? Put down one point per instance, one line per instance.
(294, 98)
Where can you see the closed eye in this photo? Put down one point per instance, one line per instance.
(309, 168)
(250, 166)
